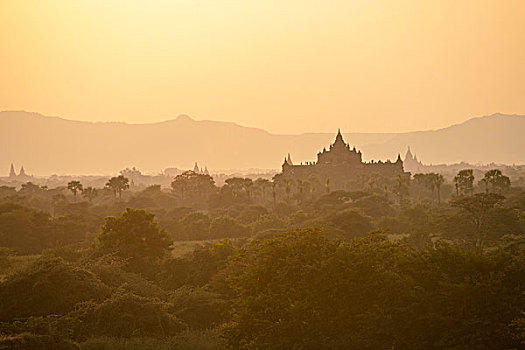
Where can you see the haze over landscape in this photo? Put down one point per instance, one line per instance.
(244, 175)
(285, 67)
(51, 145)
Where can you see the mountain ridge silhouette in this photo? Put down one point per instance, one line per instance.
(53, 145)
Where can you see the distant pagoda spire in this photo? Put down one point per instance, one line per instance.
(12, 172)
(289, 159)
(196, 168)
(399, 158)
(22, 172)
(339, 137)
(409, 155)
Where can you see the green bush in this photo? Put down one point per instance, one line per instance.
(125, 315)
(302, 290)
(48, 286)
(199, 308)
(227, 227)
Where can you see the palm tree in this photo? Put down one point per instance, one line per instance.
(262, 184)
(274, 184)
(89, 193)
(74, 187)
(117, 185)
(496, 181)
(438, 180)
(464, 181)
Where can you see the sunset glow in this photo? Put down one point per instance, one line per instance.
(285, 66)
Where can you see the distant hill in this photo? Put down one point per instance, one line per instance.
(51, 145)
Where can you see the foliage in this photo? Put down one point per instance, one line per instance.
(190, 185)
(464, 182)
(89, 193)
(495, 181)
(199, 308)
(477, 210)
(351, 223)
(134, 235)
(74, 187)
(117, 185)
(125, 314)
(302, 290)
(197, 269)
(405, 289)
(48, 286)
(227, 227)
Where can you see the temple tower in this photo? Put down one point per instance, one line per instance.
(12, 173)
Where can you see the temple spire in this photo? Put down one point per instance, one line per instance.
(12, 172)
(409, 154)
(289, 159)
(339, 137)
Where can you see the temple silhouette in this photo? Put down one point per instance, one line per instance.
(338, 165)
(411, 163)
(22, 176)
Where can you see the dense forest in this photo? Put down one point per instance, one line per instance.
(411, 262)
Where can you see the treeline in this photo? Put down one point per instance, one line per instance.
(399, 263)
(299, 289)
(418, 210)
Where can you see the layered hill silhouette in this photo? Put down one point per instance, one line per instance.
(52, 145)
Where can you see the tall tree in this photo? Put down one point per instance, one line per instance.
(261, 185)
(239, 185)
(135, 235)
(401, 186)
(118, 184)
(477, 209)
(191, 184)
(89, 193)
(495, 181)
(74, 187)
(464, 181)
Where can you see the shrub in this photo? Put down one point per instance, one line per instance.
(48, 286)
(124, 315)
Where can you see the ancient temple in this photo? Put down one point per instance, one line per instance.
(22, 176)
(411, 163)
(338, 165)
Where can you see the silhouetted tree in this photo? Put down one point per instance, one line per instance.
(239, 185)
(495, 181)
(190, 184)
(118, 184)
(135, 235)
(477, 208)
(432, 181)
(89, 193)
(464, 182)
(262, 186)
(401, 186)
(74, 187)
(438, 180)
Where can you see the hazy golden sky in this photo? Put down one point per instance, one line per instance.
(285, 66)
